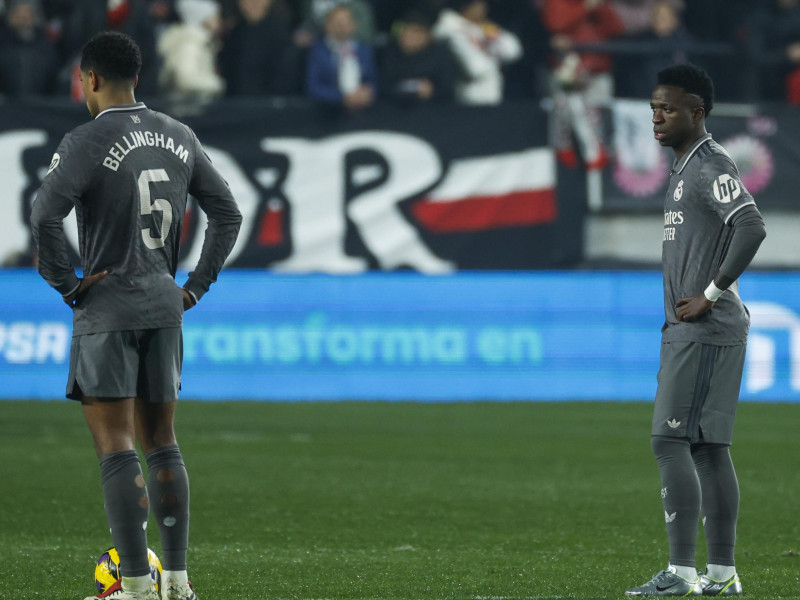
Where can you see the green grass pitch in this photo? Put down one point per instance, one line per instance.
(397, 501)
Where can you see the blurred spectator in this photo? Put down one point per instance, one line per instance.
(726, 22)
(163, 13)
(481, 49)
(665, 44)
(28, 60)
(574, 22)
(189, 51)
(637, 15)
(416, 68)
(720, 20)
(90, 17)
(528, 75)
(231, 14)
(313, 16)
(582, 80)
(255, 57)
(775, 45)
(341, 70)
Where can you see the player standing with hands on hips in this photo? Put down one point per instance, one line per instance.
(127, 174)
(712, 230)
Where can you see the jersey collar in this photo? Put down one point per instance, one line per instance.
(123, 108)
(678, 166)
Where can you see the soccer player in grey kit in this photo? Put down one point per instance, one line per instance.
(127, 174)
(712, 230)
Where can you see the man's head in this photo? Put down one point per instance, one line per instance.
(665, 19)
(415, 33)
(254, 11)
(340, 24)
(23, 17)
(681, 102)
(110, 62)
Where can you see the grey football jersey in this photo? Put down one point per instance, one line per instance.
(127, 174)
(705, 191)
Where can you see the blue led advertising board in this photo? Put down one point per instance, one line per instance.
(404, 336)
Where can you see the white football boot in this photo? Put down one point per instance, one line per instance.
(115, 592)
(173, 590)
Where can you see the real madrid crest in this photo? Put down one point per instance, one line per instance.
(678, 191)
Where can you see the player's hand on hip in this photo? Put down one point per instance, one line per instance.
(188, 300)
(688, 309)
(86, 283)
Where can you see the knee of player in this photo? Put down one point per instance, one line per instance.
(665, 447)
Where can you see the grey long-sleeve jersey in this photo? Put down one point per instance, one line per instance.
(711, 224)
(127, 174)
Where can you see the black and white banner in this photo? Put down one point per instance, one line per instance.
(433, 189)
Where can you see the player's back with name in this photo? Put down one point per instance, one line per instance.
(130, 170)
(135, 139)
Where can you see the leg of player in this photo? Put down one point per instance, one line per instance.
(168, 485)
(720, 489)
(111, 423)
(680, 492)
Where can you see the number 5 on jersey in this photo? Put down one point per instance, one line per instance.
(148, 206)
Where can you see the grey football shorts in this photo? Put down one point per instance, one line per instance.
(143, 363)
(698, 391)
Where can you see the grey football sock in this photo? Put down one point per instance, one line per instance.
(680, 492)
(168, 484)
(720, 500)
(126, 509)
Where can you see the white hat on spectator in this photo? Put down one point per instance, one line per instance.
(196, 12)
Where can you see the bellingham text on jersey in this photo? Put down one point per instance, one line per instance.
(140, 139)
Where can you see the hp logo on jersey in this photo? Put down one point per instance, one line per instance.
(726, 188)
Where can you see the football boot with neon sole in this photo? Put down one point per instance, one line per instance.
(115, 592)
(667, 583)
(177, 591)
(712, 587)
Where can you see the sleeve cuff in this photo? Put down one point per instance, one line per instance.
(70, 286)
(192, 289)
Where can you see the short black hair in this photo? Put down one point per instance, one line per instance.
(691, 79)
(113, 56)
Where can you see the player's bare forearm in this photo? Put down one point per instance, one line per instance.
(689, 309)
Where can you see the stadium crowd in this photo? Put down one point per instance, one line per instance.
(355, 52)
